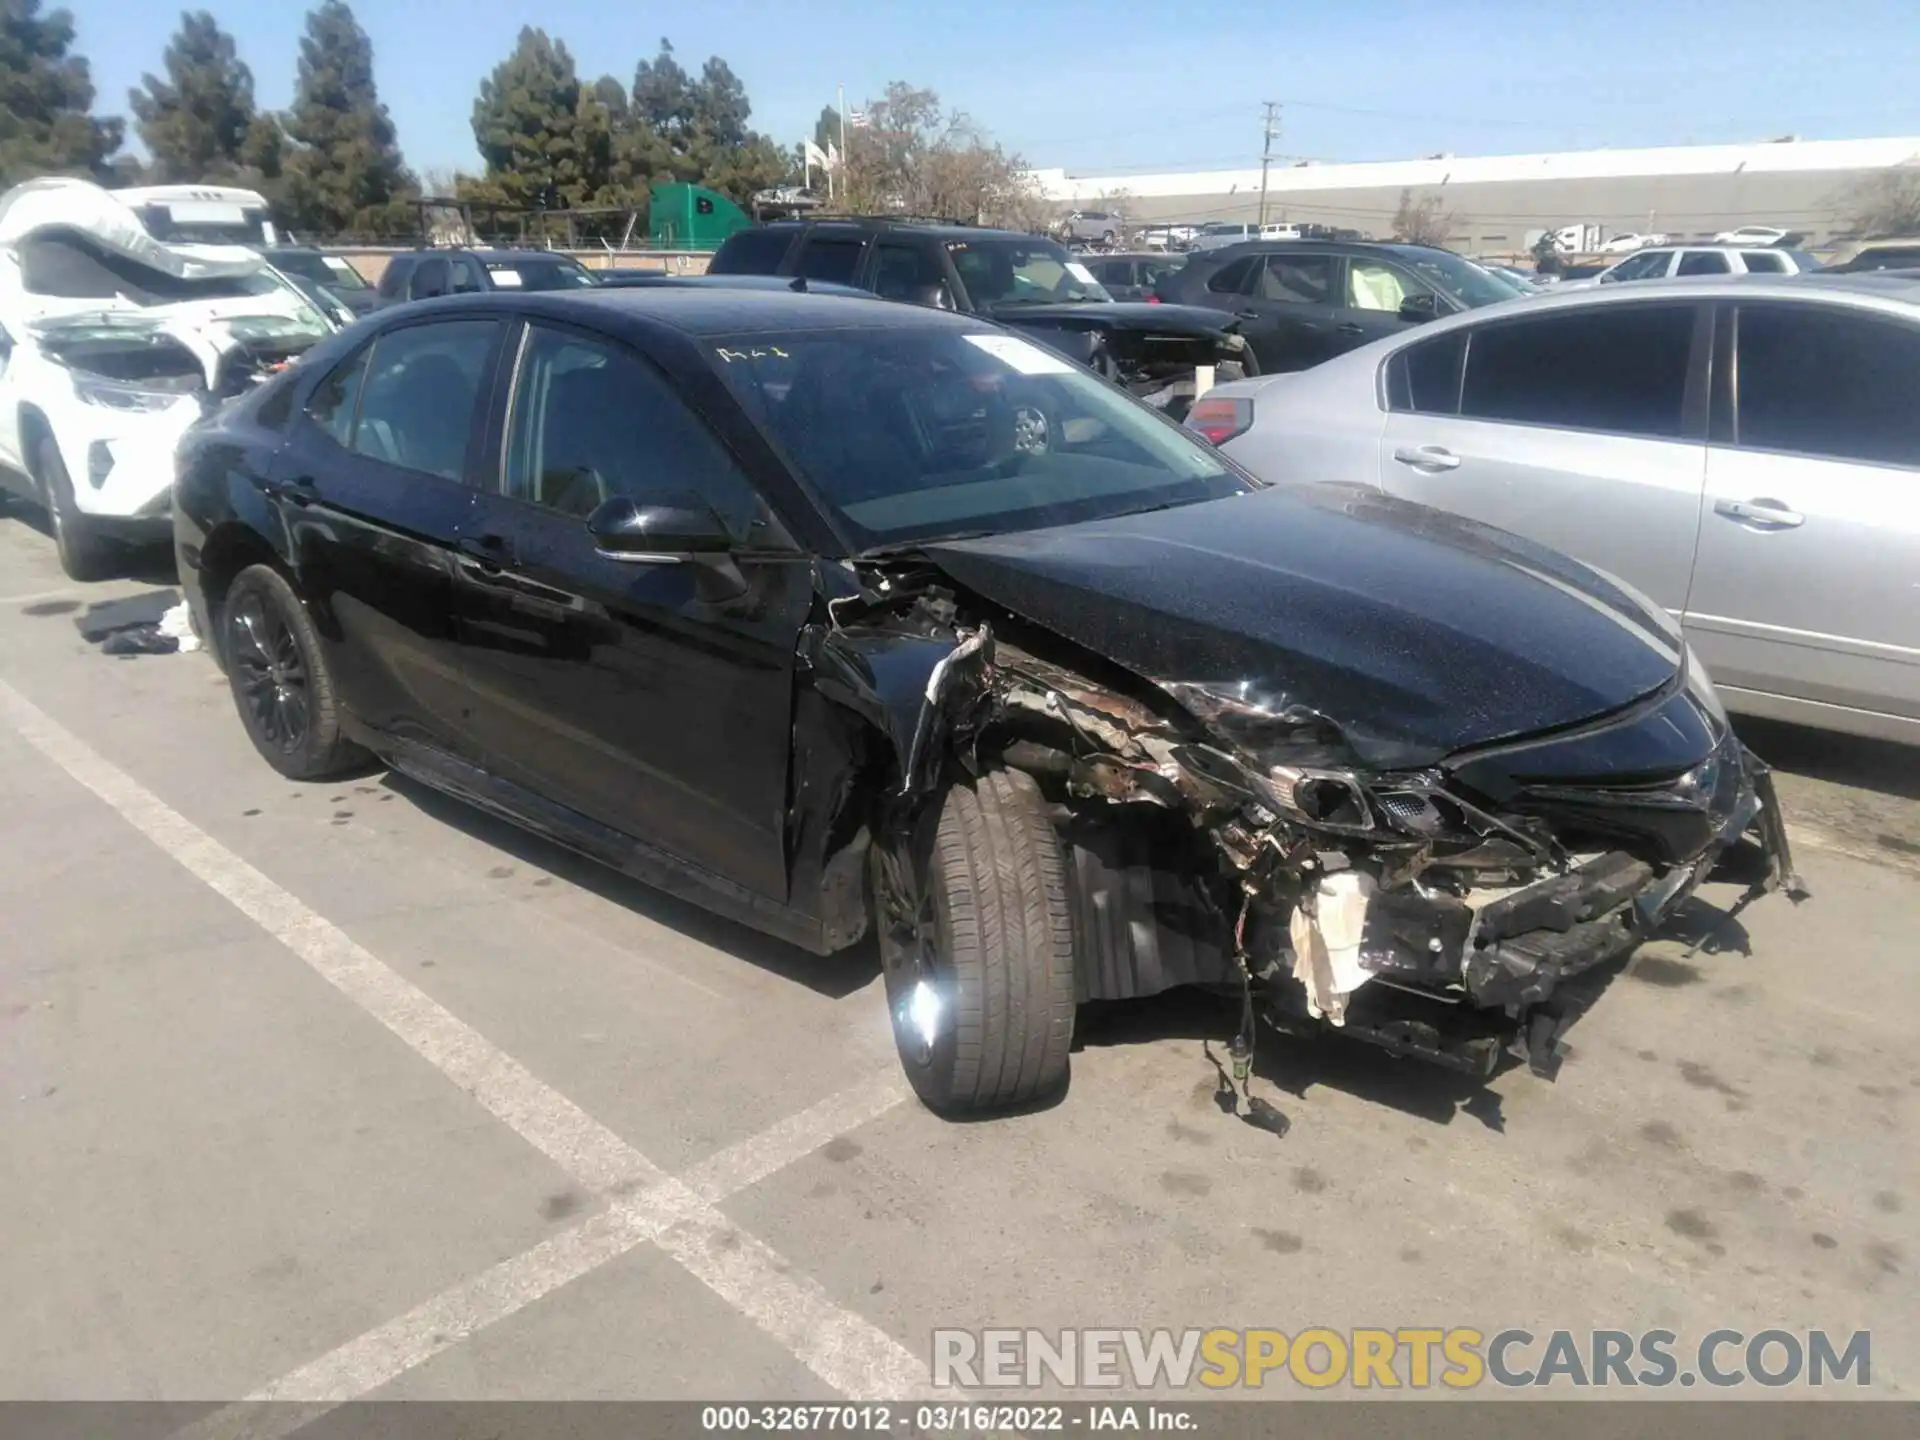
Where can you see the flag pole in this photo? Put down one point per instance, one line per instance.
(843, 127)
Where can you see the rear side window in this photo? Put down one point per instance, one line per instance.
(1703, 262)
(831, 259)
(1232, 279)
(421, 387)
(1819, 381)
(1425, 378)
(752, 252)
(1620, 369)
(1297, 279)
(1763, 262)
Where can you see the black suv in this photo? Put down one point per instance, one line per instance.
(1026, 282)
(424, 274)
(1303, 301)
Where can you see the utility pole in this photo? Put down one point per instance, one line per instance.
(1266, 155)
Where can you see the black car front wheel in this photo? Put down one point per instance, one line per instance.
(280, 680)
(976, 942)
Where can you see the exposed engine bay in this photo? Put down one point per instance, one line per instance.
(1225, 836)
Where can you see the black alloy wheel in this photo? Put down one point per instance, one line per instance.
(278, 673)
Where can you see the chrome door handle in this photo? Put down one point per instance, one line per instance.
(1427, 457)
(1764, 512)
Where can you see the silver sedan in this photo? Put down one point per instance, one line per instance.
(1746, 452)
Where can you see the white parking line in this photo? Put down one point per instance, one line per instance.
(844, 1350)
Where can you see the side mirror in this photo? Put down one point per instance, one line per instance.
(1418, 309)
(657, 528)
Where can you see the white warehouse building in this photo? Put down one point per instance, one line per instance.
(1499, 204)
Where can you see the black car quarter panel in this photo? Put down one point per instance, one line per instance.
(372, 485)
(651, 695)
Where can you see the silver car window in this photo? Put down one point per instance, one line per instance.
(1820, 381)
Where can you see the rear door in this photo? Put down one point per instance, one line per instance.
(1291, 308)
(634, 691)
(372, 485)
(1808, 578)
(1583, 429)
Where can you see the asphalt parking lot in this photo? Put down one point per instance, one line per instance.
(340, 1091)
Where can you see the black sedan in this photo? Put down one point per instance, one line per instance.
(847, 618)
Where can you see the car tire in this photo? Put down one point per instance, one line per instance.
(84, 553)
(279, 678)
(976, 942)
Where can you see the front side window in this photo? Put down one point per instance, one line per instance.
(1619, 369)
(434, 277)
(906, 272)
(1820, 381)
(591, 420)
(418, 399)
(911, 433)
(1703, 262)
(1374, 286)
(1644, 266)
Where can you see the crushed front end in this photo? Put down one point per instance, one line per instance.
(1223, 836)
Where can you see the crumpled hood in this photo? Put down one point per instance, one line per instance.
(1122, 315)
(56, 203)
(1416, 632)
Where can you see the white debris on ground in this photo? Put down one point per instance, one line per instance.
(177, 624)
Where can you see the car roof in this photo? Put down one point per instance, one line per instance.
(706, 311)
(1308, 243)
(945, 229)
(489, 252)
(1723, 248)
(1877, 288)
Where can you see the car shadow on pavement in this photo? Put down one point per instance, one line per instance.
(151, 564)
(834, 976)
(1851, 760)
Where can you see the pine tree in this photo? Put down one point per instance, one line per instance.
(345, 171)
(46, 100)
(541, 150)
(199, 123)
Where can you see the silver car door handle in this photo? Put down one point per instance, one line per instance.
(1427, 457)
(1770, 513)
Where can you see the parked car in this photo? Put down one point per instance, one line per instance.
(1101, 227)
(1751, 235)
(334, 273)
(425, 274)
(1685, 261)
(1765, 497)
(1220, 234)
(1631, 242)
(1026, 282)
(1133, 277)
(1301, 302)
(1868, 255)
(111, 344)
(657, 280)
(842, 617)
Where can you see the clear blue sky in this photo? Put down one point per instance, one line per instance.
(1122, 85)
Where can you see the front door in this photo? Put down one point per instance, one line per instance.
(372, 486)
(652, 697)
(1808, 577)
(1372, 293)
(1582, 429)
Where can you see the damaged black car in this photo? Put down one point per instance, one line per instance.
(853, 620)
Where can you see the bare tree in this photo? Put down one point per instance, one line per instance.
(1423, 221)
(914, 157)
(1884, 204)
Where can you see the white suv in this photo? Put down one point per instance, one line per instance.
(111, 345)
(1702, 261)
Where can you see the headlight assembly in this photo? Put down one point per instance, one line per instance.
(113, 395)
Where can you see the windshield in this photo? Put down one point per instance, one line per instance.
(327, 270)
(1472, 285)
(539, 274)
(913, 434)
(1022, 272)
